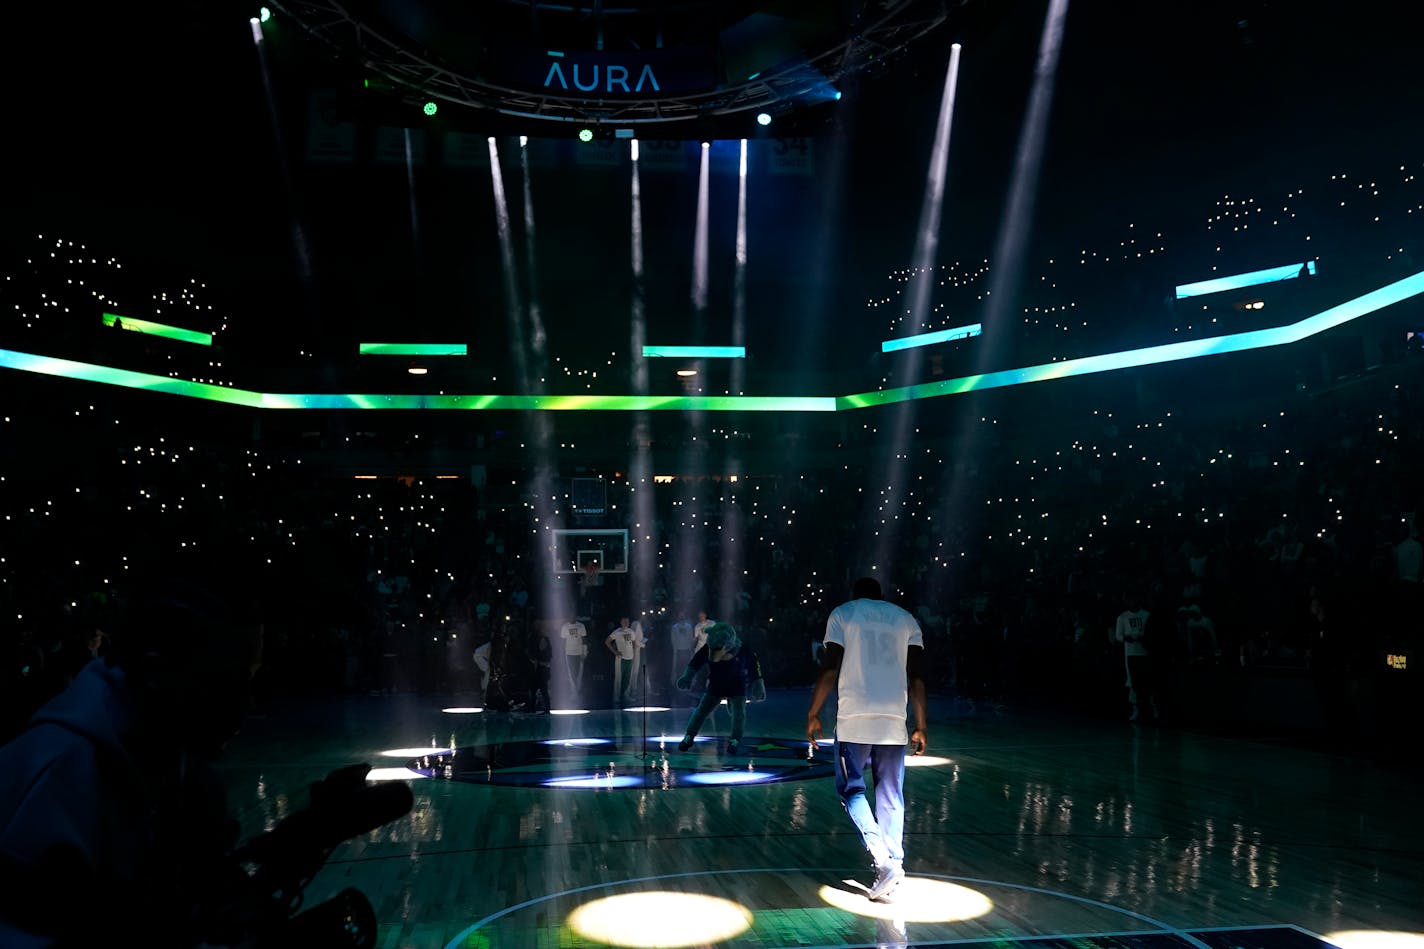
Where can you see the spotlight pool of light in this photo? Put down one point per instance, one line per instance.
(726, 777)
(706, 144)
(917, 900)
(430, 108)
(686, 373)
(393, 774)
(660, 918)
(463, 710)
(585, 135)
(926, 761)
(764, 118)
(577, 741)
(568, 711)
(417, 370)
(1375, 939)
(674, 739)
(413, 752)
(597, 781)
(648, 708)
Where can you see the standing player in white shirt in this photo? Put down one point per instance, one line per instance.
(699, 632)
(873, 654)
(575, 636)
(699, 639)
(624, 643)
(1131, 632)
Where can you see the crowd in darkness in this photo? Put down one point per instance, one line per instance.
(1278, 536)
(1260, 506)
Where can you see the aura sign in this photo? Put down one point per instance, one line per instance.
(599, 75)
(615, 78)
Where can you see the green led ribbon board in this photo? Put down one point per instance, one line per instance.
(158, 329)
(1236, 282)
(1353, 309)
(413, 349)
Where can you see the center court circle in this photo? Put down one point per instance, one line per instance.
(607, 763)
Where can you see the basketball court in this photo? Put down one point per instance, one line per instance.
(589, 828)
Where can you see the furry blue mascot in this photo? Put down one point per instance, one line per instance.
(733, 673)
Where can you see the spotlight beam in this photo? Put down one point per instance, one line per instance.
(555, 598)
(410, 191)
(1014, 226)
(730, 560)
(511, 285)
(893, 473)
(689, 546)
(1023, 187)
(300, 247)
(643, 538)
(537, 337)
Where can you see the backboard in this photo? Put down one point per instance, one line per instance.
(573, 550)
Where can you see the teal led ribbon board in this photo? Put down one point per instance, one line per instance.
(1188, 349)
(158, 329)
(1236, 282)
(929, 339)
(1338, 315)
(413, 349)
(696, 352)
(88, 372)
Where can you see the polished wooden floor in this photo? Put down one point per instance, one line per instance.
(1055, 826)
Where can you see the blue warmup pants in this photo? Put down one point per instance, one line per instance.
(883, 829)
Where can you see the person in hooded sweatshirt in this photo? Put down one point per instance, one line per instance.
(733, 673)
(113, 825)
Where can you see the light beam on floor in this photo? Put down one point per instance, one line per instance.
(660, 918)
(1375, 939)
(393, 774)
(915, 900)
(416, 752)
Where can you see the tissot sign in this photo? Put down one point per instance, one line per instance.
(642, 75)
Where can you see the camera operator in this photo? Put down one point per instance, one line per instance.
(112, 822)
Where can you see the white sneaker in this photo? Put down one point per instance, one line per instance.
(887, 877)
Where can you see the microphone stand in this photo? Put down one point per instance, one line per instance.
(643, 668)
